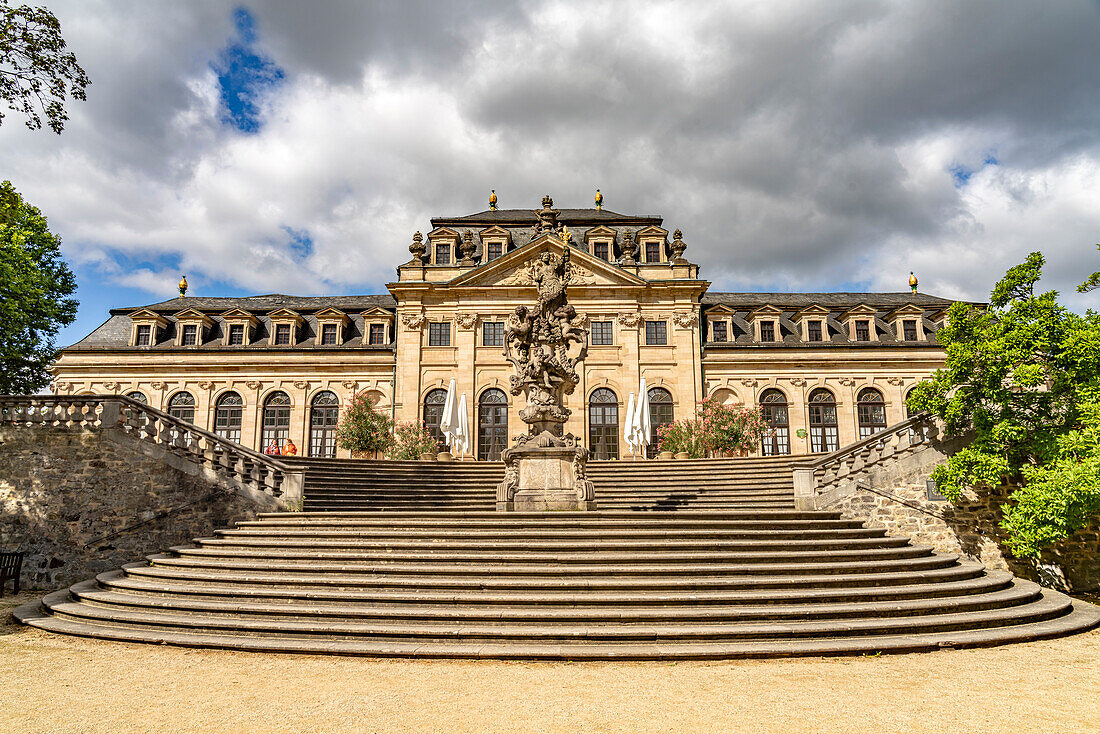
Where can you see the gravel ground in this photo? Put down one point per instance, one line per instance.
(52, 683)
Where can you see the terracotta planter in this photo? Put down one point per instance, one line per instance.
(664, 456)
(444, 456)
(683, 455)
(427, 457)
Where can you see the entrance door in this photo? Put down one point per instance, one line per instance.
(603, 424)
(492, 424)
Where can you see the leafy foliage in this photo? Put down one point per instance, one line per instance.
(1022, 377)
(36, 72)
(1091, 283)
(363, 427)
(35, 290)
(715, 428)
(411, 440)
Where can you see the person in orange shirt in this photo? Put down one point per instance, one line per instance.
(272, 448)
(289, 449)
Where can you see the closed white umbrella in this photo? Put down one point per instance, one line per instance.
(641, 417)
(448, 423)
(462, 434)
(628, 425)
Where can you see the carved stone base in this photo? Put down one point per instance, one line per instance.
(545, 478)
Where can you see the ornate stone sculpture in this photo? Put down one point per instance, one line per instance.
(466, 321)
(467, 248)
(414, 321)
(677, 248)
(544, 344)
(630, 248)
(685, 319)
(418, 249)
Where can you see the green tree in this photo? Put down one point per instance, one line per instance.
(362, 427)
(1023, 378)
(1091, 283)
(35, 290)
(36, 72)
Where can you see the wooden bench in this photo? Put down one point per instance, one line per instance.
(10, 565)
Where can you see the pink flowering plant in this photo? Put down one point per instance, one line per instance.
(715, 428)
(362, 427)
(410, 440)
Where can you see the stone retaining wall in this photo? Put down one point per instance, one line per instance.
(63, 489)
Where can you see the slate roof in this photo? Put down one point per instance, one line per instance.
(832, 301)
(568, 217)
(266, 303)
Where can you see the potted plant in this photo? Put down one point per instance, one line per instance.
(731, 430)
(363, 429)
(413, 441)
(684, 439)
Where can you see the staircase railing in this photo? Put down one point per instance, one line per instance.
(229, 460)
(823, 477)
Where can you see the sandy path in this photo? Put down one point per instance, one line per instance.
(51, 683)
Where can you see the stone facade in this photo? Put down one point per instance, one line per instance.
(651, 314)
(80, 501)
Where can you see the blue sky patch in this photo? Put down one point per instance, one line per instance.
(245, 76)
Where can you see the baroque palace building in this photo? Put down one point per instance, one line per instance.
(828, 368)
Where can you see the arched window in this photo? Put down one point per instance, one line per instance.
(139, 396)
(182, 406)
(276, 420)
(433, 414)
(870, 412)
(777, 439)
(492, 424)
(660, 414)
(324, 414)
(823, 433)
(227, 416)
(603, 424)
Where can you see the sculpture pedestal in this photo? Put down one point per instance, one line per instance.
(545, 479)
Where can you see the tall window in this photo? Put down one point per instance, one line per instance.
(139, 396)
(182, 406)
(282, 334)
(600, 250)
(493, 250)
(144, 335)
(660, 413)
(492, 424)
(813, 331)
(324, 414)
(871, 412)
(328, 334)
(777, 440)
(190, 335)
(909, 328)
(442, 254)
(718, 331)
(439, 334)
(656, 332)
(377, 334)
(433, 414)
(276, 420)
(653, 252)
(863, 331)
(603, 424)
(236, 334)
(823, 430)
(227, 416)
(492, 334)
(767, 331)
(603, 332)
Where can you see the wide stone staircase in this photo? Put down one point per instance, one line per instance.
(703, 484)
(414, 563)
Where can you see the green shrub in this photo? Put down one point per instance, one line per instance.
(364, 428)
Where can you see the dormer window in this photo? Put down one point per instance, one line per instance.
(328, 334)
(282, 335)
(190, 335)
(767, 331)
(718, 331)
(144, 335)
(493, 250)
(653, 253)
(443, 254)
(813, 331)
(377, 334)
(863, 330)
(601, 250)
(909, 327)
(237, 324)
(236, 335)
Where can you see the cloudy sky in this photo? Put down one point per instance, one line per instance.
(295, 147)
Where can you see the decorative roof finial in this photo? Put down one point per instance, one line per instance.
(467, 248)
(183, 286)
(677, 248)
(566, 235)
(599, 200)
(418, 249)
(547, 217)
(912, 281)
(493, 200)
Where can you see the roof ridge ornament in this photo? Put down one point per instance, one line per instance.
(417, 248)
(599, 200)
(547, 217)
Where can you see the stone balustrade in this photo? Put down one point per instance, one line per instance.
(249, 470)
(821, 481)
